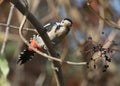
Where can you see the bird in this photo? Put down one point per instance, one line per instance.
(56, 31)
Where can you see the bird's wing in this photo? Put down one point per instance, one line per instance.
(49, 26)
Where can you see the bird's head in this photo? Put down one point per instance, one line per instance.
(67, 22)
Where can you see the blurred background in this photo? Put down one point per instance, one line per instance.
(38, 72)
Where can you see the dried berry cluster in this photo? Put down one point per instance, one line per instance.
(103, 54)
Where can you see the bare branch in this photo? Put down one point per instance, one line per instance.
(111, 37)
(16, 27)
(101, 21)
(109, 22)
(7, 29)
(42, 33)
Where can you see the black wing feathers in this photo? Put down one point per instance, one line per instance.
(25, 56)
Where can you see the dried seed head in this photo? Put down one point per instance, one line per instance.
(98, 56)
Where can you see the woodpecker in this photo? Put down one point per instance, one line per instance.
(56, 31)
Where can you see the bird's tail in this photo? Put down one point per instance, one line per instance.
(25, 56)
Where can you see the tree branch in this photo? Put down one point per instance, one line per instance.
(17, 28)
(7, 29)
(107, 21)
(43, 35)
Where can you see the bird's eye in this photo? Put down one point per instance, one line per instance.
(62, 21)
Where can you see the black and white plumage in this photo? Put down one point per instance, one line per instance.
(56, 32)
(25, 56)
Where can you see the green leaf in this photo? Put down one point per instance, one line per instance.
(4, 69)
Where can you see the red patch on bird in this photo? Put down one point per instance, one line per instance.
(34, 44)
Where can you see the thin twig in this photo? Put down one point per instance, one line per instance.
(101, 22)
(111, 37)
(109, 22)
(16, 27)
(7, 29)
